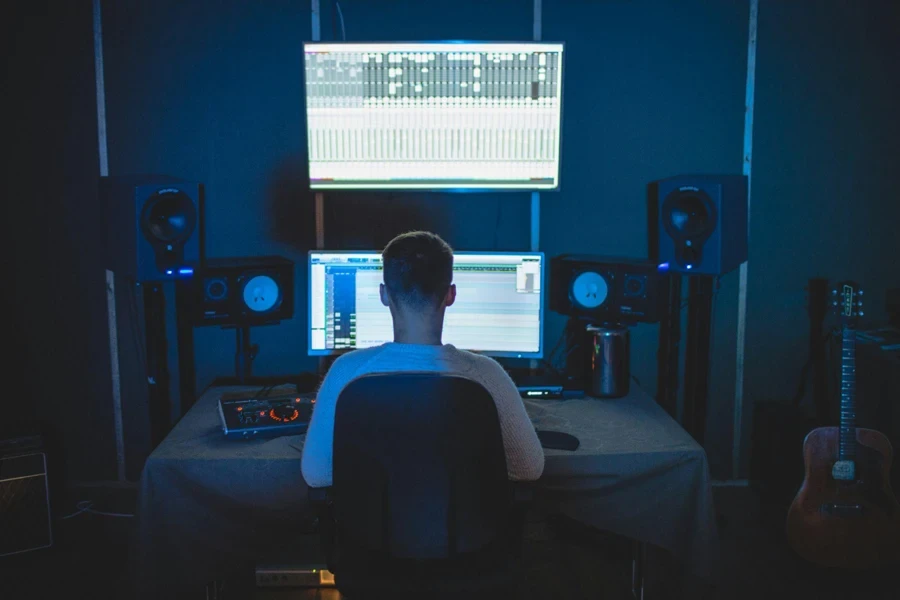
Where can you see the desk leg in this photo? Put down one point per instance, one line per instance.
(638, 564)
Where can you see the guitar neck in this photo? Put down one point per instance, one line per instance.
(848, 394)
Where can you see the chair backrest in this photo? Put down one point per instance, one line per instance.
(419, 468)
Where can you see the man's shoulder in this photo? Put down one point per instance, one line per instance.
(480, 363)
(355, 359)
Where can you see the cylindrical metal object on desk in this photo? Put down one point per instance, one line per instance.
(610, 364)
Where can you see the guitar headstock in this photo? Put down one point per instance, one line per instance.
(846, 300)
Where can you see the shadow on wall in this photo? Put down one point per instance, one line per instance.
(354, 220)
(291, 205)
(378, 217)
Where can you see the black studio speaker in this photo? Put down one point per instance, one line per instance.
(698, 223)
(244, 291)
(606, 289)
(153, 226)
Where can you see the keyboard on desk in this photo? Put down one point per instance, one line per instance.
(270, 416)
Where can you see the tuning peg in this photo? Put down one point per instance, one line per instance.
(834, 292)
(859, 303)
(861, 292)
(861, 313)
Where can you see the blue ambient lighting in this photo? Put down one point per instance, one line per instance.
(168, 271)
(689, 267)
(663, 266)
(186, 271)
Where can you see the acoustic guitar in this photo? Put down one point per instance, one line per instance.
(845, 514)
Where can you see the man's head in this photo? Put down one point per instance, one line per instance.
(418, 275)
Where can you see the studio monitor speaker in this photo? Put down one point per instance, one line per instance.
(698, 223)
(244, 291)
(153, 226)
(605, 289)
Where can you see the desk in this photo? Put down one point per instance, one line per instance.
(208, 504)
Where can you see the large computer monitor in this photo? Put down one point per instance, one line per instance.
(499, 308)
(441, 115)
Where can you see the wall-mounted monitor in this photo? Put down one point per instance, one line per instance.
(442, 115)
(499, 308)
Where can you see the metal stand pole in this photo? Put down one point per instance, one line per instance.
(696, 362)
(244, 355)
(158, 376)
(667, 351)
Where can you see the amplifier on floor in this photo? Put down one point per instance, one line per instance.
(25, 521)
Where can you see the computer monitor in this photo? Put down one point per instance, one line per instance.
(499, 308)
(441, 115)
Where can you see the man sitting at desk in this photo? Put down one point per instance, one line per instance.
(418, 287)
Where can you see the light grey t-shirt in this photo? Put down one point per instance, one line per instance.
(524, 455)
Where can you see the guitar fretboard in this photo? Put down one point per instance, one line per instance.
(848, 394)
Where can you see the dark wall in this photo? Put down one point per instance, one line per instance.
(56, 362)
(826, 150)
(212, 91)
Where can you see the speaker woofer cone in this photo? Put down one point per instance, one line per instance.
(689, 215)
(261, 293)
(169, 217)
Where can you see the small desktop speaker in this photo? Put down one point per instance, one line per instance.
(25, 517)
(244, 291)
(153, 226)
(606, 289)
(698, 223)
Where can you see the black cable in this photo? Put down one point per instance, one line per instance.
(568, 354)
(263, 390)
(548, 362)
(341, 18)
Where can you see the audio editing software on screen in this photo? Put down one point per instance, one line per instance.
(498, 306)
(438, 115)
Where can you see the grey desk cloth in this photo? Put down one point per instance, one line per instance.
(208, 505)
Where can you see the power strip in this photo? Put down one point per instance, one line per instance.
(293, 576)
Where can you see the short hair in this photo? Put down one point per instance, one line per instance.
(418, 268)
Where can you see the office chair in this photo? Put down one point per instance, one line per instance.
(421, 504)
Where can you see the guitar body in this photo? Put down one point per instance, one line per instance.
(851, 523)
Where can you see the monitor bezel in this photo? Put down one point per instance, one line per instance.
(495, 354)
(431, 188)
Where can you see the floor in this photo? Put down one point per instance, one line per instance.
(561, 560)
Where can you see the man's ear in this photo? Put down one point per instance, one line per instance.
(451, 295)
(382, 291)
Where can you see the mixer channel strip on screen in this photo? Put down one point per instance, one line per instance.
(429, 114)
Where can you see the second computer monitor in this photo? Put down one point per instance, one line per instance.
(499, 308)
(439, 115)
